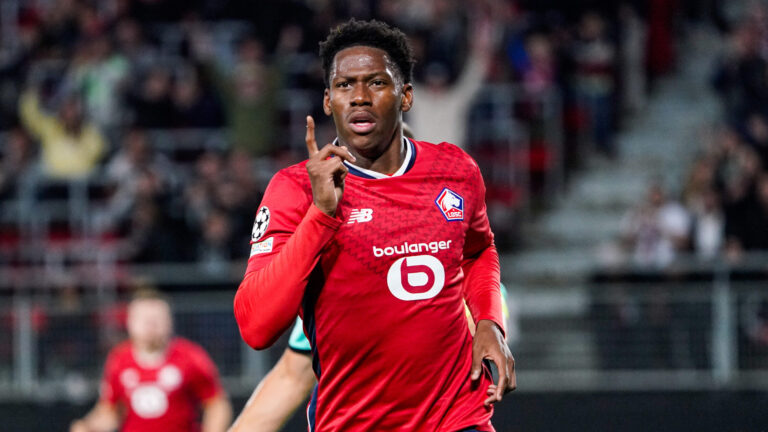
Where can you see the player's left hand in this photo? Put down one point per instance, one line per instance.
(489, 344)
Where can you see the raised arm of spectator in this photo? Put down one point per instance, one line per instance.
(205, 54)
(37, 122)
(478, 60)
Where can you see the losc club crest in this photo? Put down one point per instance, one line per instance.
(451, 205)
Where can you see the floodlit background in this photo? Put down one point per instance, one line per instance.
(624, 145)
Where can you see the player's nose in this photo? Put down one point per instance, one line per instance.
(361, 96)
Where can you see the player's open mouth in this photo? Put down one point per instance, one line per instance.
(362, 122)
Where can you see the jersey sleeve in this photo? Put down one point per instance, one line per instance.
(481, 262)
(109, 387)
(289, 236)
(204, 383)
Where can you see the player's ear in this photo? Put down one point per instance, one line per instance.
(407, 101)
(327, 102)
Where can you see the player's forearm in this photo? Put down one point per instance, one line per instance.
(268, 299)
(217, 414)
(481, 286)
(102, 418)
(278, 395)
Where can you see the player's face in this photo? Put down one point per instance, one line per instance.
(366, 99)
(149, 324)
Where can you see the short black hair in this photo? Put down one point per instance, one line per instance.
(371, 33)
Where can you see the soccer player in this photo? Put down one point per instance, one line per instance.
(291, 380)
(375, 241)
(155, 382)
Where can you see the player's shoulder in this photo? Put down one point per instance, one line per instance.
(444, 150)
(120, 354)
(186, 346)
(191, 355)
(121, 349)
(293, 175)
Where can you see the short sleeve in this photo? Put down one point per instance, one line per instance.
(109, 387)
(204, 377)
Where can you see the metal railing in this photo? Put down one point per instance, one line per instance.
(695, 326)
(654, 331)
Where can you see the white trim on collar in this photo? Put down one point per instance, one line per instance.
(400, 171)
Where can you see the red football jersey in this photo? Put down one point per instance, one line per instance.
(162, 398)
(383, 303)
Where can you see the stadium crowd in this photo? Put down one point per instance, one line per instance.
(722, 206)
(107, 93)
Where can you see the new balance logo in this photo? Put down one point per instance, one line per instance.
(360, 215)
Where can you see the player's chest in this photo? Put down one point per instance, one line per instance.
(385, 222)
(406, 206)
(148, 392)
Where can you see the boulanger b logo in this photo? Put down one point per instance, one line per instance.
(450, 204)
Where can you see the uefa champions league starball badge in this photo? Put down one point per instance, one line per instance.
(261, 224)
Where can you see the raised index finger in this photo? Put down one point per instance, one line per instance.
(310, 138)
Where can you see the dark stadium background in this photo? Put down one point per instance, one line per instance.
(624, 145)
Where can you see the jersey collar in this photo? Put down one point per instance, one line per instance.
(410, 158)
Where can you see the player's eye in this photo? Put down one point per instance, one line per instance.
(378, 82)
(342, 84)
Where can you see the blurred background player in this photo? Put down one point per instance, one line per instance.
(155, 381)
(291, 380)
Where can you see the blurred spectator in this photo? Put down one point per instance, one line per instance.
(132, 44)
(661, 50)
(71, 147)
(540, 72)
(151, 102)
(217, 248)
(200, 191)
(594, 56)
(16, 159)
(740, 75)
(99, 73)
(757, 135)
(704, 203)
(194, 106)
(632, 57)
(151, 236)
(123, 174)
(248, 93)
(656, 230)
(440, 111)
(746, 227)
(708, 226)
(60, 24)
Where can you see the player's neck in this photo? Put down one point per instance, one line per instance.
(149, 357)
(388, 161)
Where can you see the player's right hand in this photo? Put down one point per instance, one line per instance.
(326, 172)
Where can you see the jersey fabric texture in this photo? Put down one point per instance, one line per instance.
(166, 397)
(380, 289)
(298, 340)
